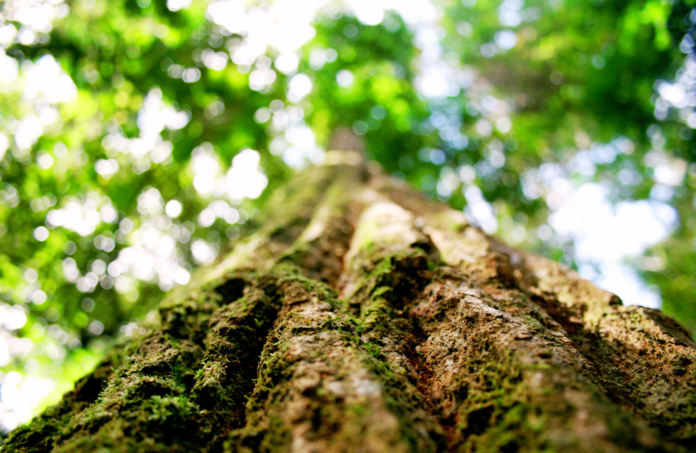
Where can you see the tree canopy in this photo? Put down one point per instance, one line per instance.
(138, 138)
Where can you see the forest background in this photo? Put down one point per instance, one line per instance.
(138, 139)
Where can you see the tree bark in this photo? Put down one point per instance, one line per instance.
(363, 317)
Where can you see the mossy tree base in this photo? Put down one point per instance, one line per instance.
(364, 317)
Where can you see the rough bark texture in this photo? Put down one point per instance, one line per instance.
(363, 317)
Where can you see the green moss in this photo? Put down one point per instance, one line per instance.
(387, 278)
(174, 410)
(373, 349)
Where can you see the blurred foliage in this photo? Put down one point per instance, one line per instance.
(577, 72)
(125, 125)
(674, 273)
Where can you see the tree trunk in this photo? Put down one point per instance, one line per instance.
(363, 317)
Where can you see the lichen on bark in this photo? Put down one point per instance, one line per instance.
(362, 316)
